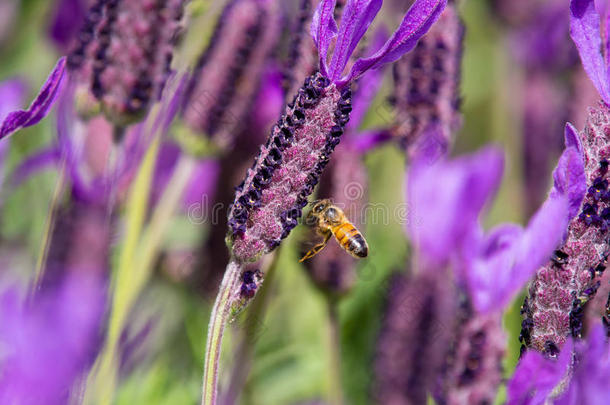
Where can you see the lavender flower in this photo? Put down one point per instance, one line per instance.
(48, 343)
(124, 53)
(227, 76)
(414, 337)
(426, 83)
(269, 202)
(39, 108)
(555, 306)
(579, 375)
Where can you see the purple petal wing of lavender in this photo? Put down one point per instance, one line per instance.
(323, 30)
(368, 140)
(355, 20)
(536, 376)
(509, 257)
(585, 32)
(569, 177)
(39, 107)
(48, 157)
(445, 200)
(415, 24)
(11, 96)
(67, 20)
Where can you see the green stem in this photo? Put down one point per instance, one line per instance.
(249, 335)
(334, 354)
(218, 321)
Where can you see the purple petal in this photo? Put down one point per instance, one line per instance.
(355, 20)
(368, 87)
(323, 30)
(67, 20)
(589, 383)
(569, 177)
(415, 24)
(363, 142)
(494, 276)
(50, 342)
(571, 138)
(39, 107)
(585, 32)
(200, 190)
(498, 275)
(445, 200)
(35, 163)
(11, 97)
(536, 377)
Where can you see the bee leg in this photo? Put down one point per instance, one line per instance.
(316, 249)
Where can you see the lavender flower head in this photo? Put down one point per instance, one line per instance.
(269, 203)
(426, 94)
(123, 55)
(555, 306)
(228, 73)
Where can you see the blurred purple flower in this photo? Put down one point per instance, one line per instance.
(49, 343)
(39, 108)
(544, 42)
(123, 56)
(426, 94)
(579, 375)
(228, 74)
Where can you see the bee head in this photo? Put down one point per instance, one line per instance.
(320, 206)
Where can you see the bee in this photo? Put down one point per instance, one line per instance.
(327, 219)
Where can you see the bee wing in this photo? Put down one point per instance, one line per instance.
(308, 238)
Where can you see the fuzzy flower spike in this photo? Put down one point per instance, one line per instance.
(555, 306)
(269, 202)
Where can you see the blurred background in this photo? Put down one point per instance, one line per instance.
(289, 335)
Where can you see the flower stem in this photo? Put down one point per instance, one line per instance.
(218, 321)
(250, 332)
(334, 354)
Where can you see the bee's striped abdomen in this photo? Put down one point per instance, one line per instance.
(351, 240)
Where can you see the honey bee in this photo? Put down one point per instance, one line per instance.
(327, 219)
